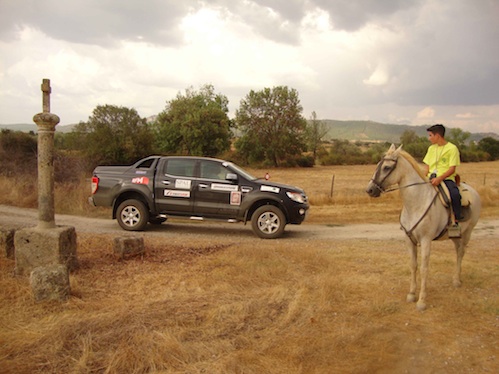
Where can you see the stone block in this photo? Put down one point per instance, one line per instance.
(125, 247)
(50, 282)
(7, 242)
(41, 247)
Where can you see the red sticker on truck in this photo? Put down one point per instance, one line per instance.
(140, 180)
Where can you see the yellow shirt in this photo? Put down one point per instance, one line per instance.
(441, 158)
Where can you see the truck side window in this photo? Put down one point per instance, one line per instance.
(212, 170)
(180, 167)
(146, 164)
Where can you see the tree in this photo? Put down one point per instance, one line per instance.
(114, 135)
(342, 152)
(195, 124)
(273, 129)
(18, 152)
(458, 137)
(409, 137)
(315, 130)
(414, 144)
(491, 146)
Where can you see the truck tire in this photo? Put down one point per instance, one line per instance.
(132, 215)
(268, 222)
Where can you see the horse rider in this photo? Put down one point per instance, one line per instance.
(441, 161)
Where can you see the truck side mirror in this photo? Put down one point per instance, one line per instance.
(231, 177)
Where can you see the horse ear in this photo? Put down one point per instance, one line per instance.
(399, 148)
(392, 149)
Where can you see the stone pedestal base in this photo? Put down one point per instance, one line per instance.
(126, 247)
(7, 242)
(50, 283)
(41, 247)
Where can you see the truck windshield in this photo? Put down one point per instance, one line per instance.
(241, 172)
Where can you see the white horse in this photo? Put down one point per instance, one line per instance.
(424, 217)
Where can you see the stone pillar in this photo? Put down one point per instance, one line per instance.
(46, 245)
(46, 123)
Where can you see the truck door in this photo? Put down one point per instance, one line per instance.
(214, 195)
(174, 184)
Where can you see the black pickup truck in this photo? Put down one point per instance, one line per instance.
(199, 188)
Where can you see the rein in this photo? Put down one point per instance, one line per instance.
(409, 232)
(378, 185)
(391, 189)
(399, 188)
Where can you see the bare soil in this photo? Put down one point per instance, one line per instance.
(22, 217)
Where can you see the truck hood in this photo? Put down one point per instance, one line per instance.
(264, 182)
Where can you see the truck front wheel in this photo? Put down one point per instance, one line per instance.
(268, 222)
(132, 215)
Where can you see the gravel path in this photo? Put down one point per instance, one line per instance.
(13, 217)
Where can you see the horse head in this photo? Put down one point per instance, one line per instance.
(385, 174)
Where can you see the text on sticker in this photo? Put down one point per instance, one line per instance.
(270, 189)
(183, 183)
(140, 180)
(177, 193)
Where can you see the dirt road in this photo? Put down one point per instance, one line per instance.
(12, 217)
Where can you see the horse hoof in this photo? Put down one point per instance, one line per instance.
(411, 298)
(421, 306)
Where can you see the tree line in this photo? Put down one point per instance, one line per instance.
(268, 130)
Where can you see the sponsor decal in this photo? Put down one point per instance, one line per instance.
(223, 187)
(235, 198)
(140, 180)
(177, 193)
(183, 184)
(270, 189)
(140, 172)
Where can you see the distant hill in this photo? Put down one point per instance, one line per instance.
(27, 127)
(347, 130)
(379, 132)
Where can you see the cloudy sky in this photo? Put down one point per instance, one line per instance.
(393, 61)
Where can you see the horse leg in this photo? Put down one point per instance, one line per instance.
(460, 245)
(425, 262)
(413, 252)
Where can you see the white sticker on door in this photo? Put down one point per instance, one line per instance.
(183, 183)
(177, 193)
(224, 187)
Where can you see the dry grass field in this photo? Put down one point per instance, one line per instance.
(223, 301)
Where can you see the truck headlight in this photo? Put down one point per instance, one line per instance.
(296, 196)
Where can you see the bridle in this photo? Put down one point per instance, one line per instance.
(379, 185)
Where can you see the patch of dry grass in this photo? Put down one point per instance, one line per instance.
(279, 306)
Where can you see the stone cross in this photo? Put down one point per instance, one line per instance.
(46, 123)
(46, 251)
(46, 95)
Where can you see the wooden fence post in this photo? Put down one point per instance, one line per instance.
(332, 188)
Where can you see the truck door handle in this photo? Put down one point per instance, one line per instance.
(166, 182)
(202, 185)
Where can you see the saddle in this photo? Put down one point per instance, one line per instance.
(444, 195)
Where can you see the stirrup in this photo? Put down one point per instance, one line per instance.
(454, 231)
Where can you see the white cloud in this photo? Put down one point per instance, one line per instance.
(379, 77)
(465, 115)
(426, 113)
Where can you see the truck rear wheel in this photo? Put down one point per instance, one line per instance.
(132, 215)
(268, 222)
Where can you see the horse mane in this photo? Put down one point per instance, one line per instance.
(412, 161)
